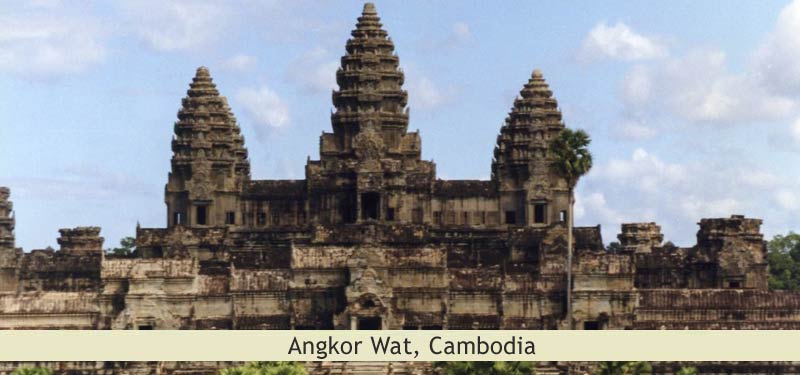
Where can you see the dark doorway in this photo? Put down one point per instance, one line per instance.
(372, 323)
(370, 206)
(145, 327)
(591, 325)
(539, 210)
(348, 206)
(201, 215)
(511, 217)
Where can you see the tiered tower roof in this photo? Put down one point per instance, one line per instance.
(370, 81)
(206, 131)
(534, 120)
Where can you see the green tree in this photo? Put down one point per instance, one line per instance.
(126, 248)
(783, 256)
(32, 371)
(571, 160)
(266, 368)
(624, 368)
(687, 371)
(614, 247)
(485, 368)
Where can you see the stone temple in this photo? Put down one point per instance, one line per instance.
(372, 239)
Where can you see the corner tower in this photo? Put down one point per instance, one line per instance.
(369, 169)
(6, 220)
(10, 257)
(209, 162)
(530, 193)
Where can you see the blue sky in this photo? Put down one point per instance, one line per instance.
(694, 107)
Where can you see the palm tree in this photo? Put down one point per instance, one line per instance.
(571, 160)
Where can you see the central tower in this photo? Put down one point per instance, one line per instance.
(369, 169)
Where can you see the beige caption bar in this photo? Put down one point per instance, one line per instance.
(406, 345)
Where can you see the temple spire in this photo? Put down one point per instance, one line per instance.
(370, 82)
(209, 162)
(534, 119)
(207, 131)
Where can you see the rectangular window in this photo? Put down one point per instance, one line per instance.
(539, 210)
(466, 218)
(437, 217)
(261, 218)
(177, 218)
(511, 217)
(230, 217)
(276, 218)
(201, 215)
(563, 216)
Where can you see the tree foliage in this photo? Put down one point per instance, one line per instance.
(126, 248)
(486, 368)
(614, 247)
(687, 371)
(571, 156)
(783, 255)
(266, 368)
(32, 371)
(624, 368)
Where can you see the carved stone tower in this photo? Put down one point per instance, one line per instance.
(6, 220)
(369, 169)
(9, 255)
(209, 162)
(81, 240)
(640, 237)
(530, 194)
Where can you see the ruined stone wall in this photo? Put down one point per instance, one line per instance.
(730, 254)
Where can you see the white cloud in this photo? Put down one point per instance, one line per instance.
(619, 42)
(698, 88)
(49, 44)
(777, 61)
(314, 71)
(788, 199)
(240, 62)
(174, 25)
(425, 95)
(644, 187)
(264, 107)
